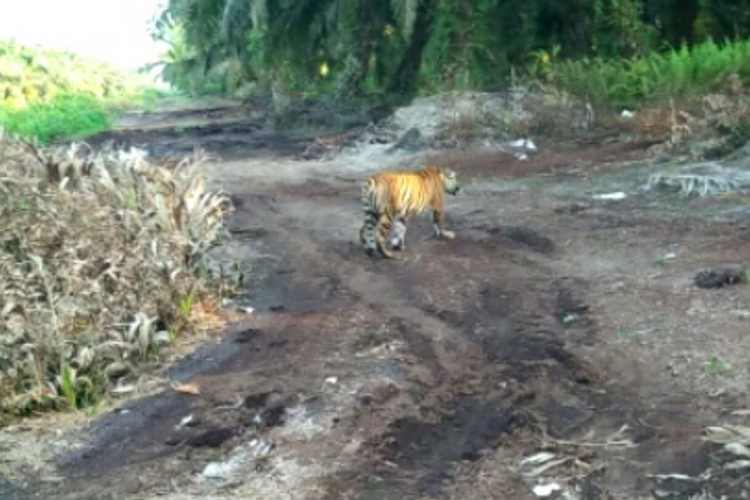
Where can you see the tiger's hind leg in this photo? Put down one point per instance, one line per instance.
(381, 235)
(398, 242)
(367, 234)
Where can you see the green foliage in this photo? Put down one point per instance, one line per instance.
(64, 115)
(29, 74)
(50, 94)
(678, 73)
(246, 46)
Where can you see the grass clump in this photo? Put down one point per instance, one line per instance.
(103, 262)
(63, 116)
(678, 73)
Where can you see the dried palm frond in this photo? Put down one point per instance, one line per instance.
(703, 179)
(98, 250)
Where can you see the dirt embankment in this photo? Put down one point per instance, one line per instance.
(554, 323)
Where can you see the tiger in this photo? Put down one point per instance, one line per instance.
(395, 196)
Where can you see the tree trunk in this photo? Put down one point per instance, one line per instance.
(404, 79)
(350, 79)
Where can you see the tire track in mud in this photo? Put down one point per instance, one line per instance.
(523, 325)
(469, 404)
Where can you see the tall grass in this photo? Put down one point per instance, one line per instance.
(677, 73)
(63, 116)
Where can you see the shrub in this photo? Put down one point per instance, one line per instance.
(678, 73)
(63, 116)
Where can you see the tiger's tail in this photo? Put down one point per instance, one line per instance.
(369, 225)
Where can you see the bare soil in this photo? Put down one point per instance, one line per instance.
(549, 323)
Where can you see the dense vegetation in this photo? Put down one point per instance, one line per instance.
(103, 266)
(625, 48)
(50, 94)
(102, 257)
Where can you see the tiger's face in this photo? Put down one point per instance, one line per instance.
(450, 182)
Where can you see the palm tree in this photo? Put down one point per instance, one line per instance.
(299, 31)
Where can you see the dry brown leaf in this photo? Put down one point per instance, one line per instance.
(188, 388)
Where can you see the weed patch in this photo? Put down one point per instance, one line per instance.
(678, 73)
(63, 116)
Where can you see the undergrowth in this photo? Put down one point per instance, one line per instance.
(29, 74)
(103, 263)
(678, 73)
(51, 94)
(65, 115)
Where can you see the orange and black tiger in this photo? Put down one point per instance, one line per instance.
(393, 197)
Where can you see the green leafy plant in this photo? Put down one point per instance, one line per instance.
(682, 72)
(64, 115)
(716, 365)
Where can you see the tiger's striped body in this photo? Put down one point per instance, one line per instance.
(391, 198)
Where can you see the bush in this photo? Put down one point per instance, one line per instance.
(63, 116)
(678, 73)
(102, 263)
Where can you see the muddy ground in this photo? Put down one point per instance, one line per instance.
(552, 321)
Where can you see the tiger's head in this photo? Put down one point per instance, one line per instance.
(450, 182)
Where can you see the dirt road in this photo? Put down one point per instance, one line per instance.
(552, 321)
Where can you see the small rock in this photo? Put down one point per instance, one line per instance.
(257, 401)
(720, 277)
(215, 470)
(212, 438)
(246, 336)
(274, 416)
(410, 141)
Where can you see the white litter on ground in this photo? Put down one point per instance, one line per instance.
(546, 489)
(610, 196)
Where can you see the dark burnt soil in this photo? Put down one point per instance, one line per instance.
(499, 349)
(228, 140)
(435, 374)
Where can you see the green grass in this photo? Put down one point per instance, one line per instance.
(676, 73)
(70, 115)
(63, 116)
(52, 94)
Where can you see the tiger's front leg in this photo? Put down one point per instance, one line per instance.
(439, 225)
